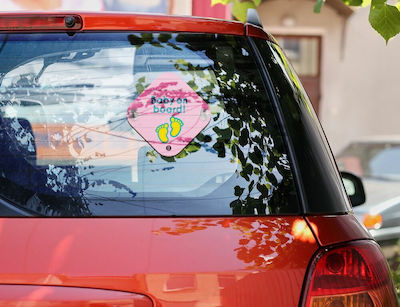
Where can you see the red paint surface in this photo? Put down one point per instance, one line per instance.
(258, 32)
(107, 21)
(141, 22)
(213, 261)
(338, 228)
(18, 295)
(37, 22)
(138, 22)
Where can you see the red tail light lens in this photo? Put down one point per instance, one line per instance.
(40, 22)
(354, 275)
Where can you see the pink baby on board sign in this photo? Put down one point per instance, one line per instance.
(169, 114)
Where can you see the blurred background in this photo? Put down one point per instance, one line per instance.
(349, 73)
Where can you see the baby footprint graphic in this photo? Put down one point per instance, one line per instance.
(162, 132)
(176, 126)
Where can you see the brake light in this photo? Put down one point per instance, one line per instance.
(372, 221)
(354, 275)
(40, 22)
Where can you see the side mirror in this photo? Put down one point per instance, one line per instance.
(354, 188)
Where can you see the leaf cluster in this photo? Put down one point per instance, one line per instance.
(239, 7)
(383, 17)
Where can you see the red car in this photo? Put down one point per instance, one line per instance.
(169, 161)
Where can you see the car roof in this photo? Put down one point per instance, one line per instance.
(122, 21)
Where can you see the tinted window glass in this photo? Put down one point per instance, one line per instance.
(138, 124)
(321, 182)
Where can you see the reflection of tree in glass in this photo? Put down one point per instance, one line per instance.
(46, 190)
(243, 129)
(250, 134)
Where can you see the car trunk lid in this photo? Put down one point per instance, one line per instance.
(175, 261)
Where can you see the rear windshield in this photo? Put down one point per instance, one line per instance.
(137, 124)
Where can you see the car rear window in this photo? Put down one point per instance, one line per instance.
(137, 124)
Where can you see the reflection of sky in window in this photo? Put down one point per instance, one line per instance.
(201, 171)
(387, 162)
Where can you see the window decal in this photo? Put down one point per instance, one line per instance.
(169, 114)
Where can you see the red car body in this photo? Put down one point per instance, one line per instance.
(164, 261)
(201, 259)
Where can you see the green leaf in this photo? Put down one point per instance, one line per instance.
(193, 147)
(174, 46)
(262, 188)
(135, 40)
(193, 85)
(241, 157)
(235, 124)
(139, 88)
(168, 159)
(244, 137)
(256, 156)
(385, 19)
(225, 134)
(318, 6)
(366, 3)
(204, 138)
(164, 37)
(353, 2)
(181, 155)
(239, 9)
(236, 206)
(238, 191)
(247, 170)
(147, 37)
(224, 2)
(157, 44)
(151, 155)
(251, 186)
(234, 150)
(219, 147)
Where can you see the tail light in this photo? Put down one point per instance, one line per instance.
(354, 275)
(372, 221)
(40, 22)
